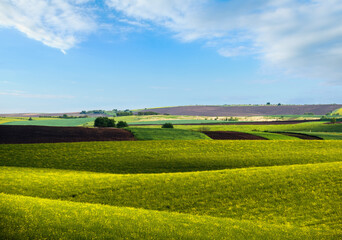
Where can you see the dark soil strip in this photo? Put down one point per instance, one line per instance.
(43, 134)
(301, 136)
(227, 135)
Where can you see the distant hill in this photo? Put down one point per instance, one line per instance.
(252, 110)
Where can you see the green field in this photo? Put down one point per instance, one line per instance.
(168, 156)
(166, 134)
(72, 122)
(304, 127)
(172, 189)
(6, 120)
(39, 218)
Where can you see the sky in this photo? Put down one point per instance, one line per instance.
(74, 55)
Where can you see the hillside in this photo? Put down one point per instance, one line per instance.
(247, 110)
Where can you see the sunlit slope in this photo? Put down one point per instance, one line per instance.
(301, 195)
(47, 219)
(168, 156)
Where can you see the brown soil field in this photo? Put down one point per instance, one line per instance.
(212, 111)
(42, 134)
(228, 135)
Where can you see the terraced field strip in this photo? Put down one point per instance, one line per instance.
(168, 156)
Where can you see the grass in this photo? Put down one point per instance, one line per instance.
(300, 195)
(36, 218)
(168, 156)
(72, 122)
(166, 134)
(304, 127)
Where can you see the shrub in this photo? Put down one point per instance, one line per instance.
(333, 120)
(104, 122)
(121, 124)
(167, 125)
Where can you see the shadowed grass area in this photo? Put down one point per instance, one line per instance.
(300, 195)
(36, 218)
(168, 156)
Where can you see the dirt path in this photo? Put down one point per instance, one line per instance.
(228, 135)
(43, 134)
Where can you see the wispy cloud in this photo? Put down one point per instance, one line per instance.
(56, 23)
(300, 37)
(23, 94)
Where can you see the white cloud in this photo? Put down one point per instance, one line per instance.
(301, 37)
(56, 23)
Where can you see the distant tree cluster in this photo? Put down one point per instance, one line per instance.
(94, 112)
(107, 122)
(104, 122)
(114, 112)
(148, 113)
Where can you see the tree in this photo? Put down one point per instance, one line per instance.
(333, 120)
(167, 125)
(30, 119)
(268, 103)
(121, 124)
(104, 122)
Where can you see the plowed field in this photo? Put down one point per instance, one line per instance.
(42, 134)
(228, 135)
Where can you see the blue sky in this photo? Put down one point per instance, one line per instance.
(73, 55)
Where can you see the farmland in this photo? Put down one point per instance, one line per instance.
(168, 156)
(171, 183)
(305, 127)
(53, 122)
(166, 134)
(248, 110)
